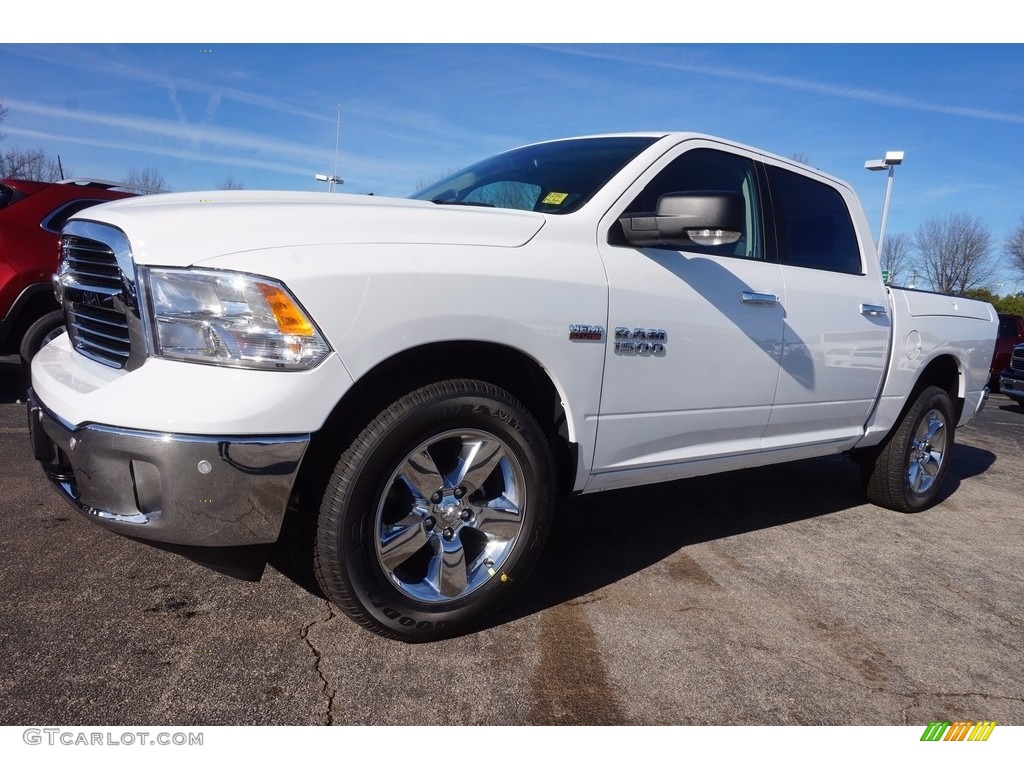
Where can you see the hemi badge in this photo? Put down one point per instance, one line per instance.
(579, 332)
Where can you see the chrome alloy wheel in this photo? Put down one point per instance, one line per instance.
(450, 515)
(927, 451)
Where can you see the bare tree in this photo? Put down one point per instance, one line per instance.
(896, 256)
(228, 182)
(801, 157)
(32, 164)
(1015, 248)
(145, 181)
(955, 253)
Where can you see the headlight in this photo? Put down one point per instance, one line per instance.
(229, 318)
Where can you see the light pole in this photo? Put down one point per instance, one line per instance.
(891, 160)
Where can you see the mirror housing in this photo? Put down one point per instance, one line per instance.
(704, 218)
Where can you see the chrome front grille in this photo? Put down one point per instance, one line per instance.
(91, 265)
(97, 283)
(1017, 360)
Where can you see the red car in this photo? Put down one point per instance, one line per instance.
(1011, 333)
(31, 216)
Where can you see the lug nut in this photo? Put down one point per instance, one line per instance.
(436, 498)
(467, 515)
(460, 492)
(448, 533)
(429, 523)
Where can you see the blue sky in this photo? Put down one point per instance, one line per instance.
(265, 113)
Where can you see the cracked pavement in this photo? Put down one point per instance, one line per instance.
(765, 596)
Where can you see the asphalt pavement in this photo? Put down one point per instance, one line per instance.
(773, 595)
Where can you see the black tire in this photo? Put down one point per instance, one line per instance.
(40, 332)
(436, 512)
(907, 471)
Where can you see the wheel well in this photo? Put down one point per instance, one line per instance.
(505, 367)
(942, 372)
(35, 302)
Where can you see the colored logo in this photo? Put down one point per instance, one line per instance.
(959, 730)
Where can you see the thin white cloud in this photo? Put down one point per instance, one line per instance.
(195, 135)
(798, 84)
(184, 154)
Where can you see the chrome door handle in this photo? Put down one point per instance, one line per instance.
(754, 297)
(873, 310)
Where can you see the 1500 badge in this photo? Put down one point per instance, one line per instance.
(640, 341)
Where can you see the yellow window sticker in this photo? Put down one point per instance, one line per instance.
(554, 198)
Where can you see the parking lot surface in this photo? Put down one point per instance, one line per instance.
(766, 596)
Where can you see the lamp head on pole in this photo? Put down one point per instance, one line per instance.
(890, 159)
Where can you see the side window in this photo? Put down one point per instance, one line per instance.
(709, 170)
(812, 224)
(56, 220)
(1007, 328)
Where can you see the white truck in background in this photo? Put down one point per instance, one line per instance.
(423, 378)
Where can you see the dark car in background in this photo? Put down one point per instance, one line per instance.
(1011, 333)
(1011, 380)
(31, 216)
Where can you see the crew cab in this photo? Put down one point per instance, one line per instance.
(422, 379)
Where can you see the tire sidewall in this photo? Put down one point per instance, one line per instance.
(33, 339)
(379, 454)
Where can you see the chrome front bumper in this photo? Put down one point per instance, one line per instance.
(1013, 387)
(195, 490)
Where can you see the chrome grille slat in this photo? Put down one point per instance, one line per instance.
(95, 333)
(92, 272)
(103, 351)
(88, 315)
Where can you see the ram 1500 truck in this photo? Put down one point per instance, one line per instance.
(422, 378)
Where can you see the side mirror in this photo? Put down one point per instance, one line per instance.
(704, 218)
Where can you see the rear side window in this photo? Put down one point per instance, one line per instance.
(812, 224)
(6, 196)
(1007, 327)
(56, 220)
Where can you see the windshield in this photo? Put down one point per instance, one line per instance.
(554, 177)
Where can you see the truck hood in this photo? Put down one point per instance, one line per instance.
(186, 228)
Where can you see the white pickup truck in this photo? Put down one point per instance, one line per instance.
(425, 378)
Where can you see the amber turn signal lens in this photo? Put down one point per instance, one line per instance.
(290, 319)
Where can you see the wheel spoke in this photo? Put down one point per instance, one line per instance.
(915, 476)
(477, 460)
(500, 518)
(421, 476)
(401, 543)
(932, 428)
(447, 570)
